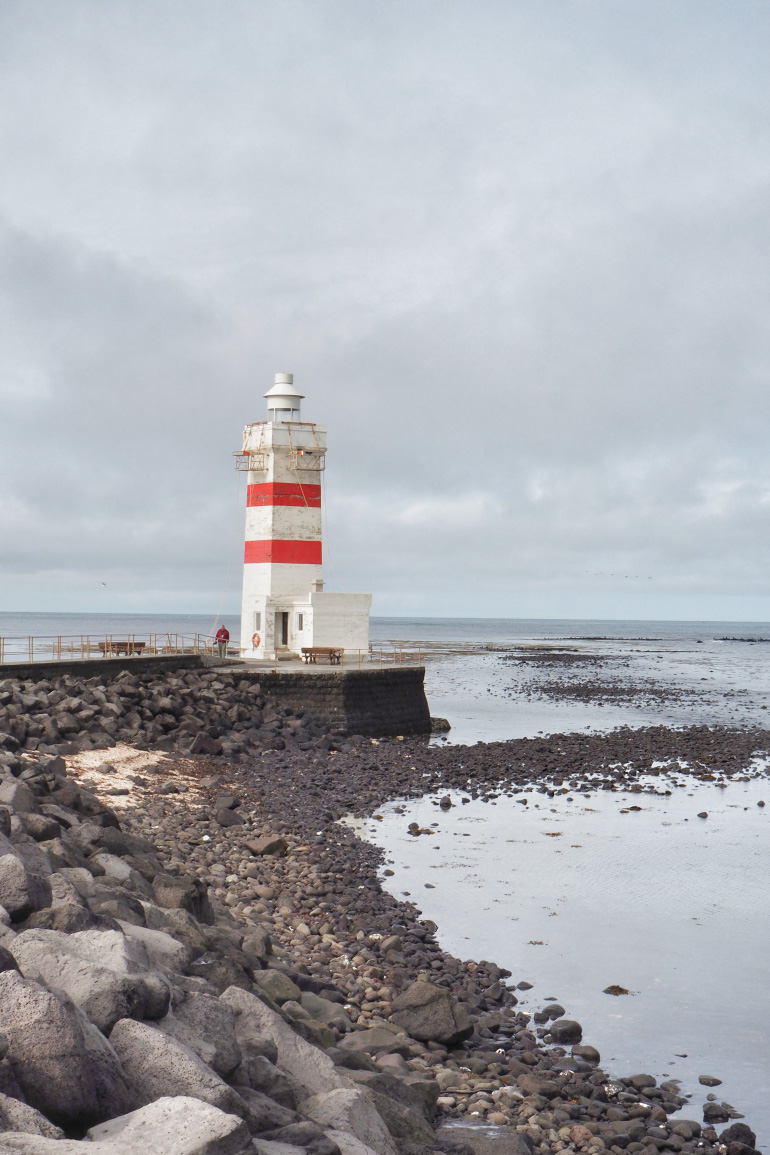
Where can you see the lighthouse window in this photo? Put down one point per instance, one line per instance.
(300, 621)
(257, 621)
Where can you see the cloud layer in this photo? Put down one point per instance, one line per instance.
(515, 256)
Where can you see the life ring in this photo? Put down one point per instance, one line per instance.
(255, 640)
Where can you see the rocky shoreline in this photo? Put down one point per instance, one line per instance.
(198, 957)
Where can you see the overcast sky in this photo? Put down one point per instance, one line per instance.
(515, 253)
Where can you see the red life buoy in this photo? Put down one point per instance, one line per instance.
(255, 640)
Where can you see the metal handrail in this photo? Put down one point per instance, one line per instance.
(80, 647)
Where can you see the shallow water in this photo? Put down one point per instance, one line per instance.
(682, 682)
(574, 895)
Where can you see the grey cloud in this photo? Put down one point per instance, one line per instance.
(514, 254)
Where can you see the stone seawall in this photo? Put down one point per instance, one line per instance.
(101, 667)
(372, 702)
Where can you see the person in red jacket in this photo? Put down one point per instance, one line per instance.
(222, 637)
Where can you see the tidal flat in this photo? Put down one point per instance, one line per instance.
(591, 891)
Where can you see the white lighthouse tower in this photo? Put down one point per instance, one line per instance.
(285, 607)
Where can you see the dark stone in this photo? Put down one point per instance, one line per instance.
(268, 844)
(7, 963)
(220, 971)
(229, 818)
(566, 1031)
(190, 894)
(204, 744)
(738, 1133)
(227, 802)
(430, 1013)
(40, 827)
(67, 918)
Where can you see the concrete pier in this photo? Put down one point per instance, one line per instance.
(374, 700)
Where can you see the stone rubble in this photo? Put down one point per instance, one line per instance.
(196, 958)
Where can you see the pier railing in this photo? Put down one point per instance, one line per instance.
(73, 647)
(393, 654)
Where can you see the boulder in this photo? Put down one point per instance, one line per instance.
(268, 844)
(63, 1065)
(7, 961)
(41, 827)
(418, 1095)
(325, 1011)
(162, 950)
(431, 1014)
(177, 1125)
(257, 942)
(469, 1137)
(63, 893)
(66, 918)
(304, 1133)
(18, 796)
(115, 902)
(347, 1143)
(264, 1114)
(738, 1133)
(271, 1147)
(105, 973)
(79, 878)
(229, 818)
(312, 1070)
(536, 1085)
(377, 1041)
(203, 744)
(350, 1109)
(220, 971)
(32, 854)
(16, 1116)
(260, 1074)
(180, 924)
(279, 986)
(21, 892)
(189, 894)
(566, 1031)
(207, 1026)
(399, 1107)
(159, 1065)
(715, 1113)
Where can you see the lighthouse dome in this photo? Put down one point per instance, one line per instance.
(283, 400)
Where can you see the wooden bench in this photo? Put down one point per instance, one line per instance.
(333, 654)
(118, 648)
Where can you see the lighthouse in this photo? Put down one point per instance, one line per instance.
(285, 607)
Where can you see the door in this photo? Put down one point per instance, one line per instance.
(283, 628)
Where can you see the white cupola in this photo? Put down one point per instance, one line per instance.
(283, 400)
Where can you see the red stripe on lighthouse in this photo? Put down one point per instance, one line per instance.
(283, 552)
(284, 493)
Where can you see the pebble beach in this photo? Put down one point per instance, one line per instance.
(191, 806)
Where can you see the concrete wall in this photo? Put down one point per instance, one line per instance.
(341, 620)
(101, 667)
(375, 702)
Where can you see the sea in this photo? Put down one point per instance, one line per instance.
(668, 906)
